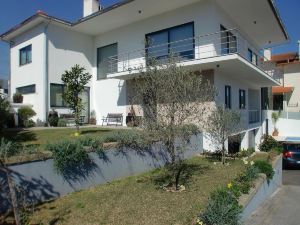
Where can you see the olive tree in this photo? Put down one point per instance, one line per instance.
(221, 124)
(171, 97)
(75, 81)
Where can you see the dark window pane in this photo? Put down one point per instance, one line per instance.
(56, 95)
(242, 97)
(228, 97)
(228, 41)
(158, 45)
(30, 89)
(181, 41)
(107, 60)
(25, 55)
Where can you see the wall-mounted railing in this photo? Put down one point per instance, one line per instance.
(200, 47)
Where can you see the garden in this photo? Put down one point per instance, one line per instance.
(203, 189)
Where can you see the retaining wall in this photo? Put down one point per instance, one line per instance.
(40, 182)
(263, 190)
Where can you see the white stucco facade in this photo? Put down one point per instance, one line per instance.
(57, 46)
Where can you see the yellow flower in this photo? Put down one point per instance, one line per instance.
(246, 162)
(251, 163)
(229, 185)
(199, 222)
(77, 134)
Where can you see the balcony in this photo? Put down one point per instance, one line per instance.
(226, 48)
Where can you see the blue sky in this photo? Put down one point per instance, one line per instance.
(13, 12)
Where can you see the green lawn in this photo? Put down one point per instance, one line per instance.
(37, 139)
(138, 200)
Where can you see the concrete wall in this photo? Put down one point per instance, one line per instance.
(41, 182)
(292, 79)
(263, 191)
(288, 125)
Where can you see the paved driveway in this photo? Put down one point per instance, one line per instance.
(283, 208)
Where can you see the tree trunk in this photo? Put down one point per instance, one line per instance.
(13, 194)
(223, 153)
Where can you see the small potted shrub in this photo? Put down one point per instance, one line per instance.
(275, 118)
(93, 120)
(18, 98)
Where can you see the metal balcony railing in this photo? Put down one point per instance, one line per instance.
(254, 116)
(200, 47)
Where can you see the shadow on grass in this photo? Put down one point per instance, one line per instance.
(18, 135)
(164, 176)
(95, 131)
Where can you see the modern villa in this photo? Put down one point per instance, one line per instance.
(224, 39)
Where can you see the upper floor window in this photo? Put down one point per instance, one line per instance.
(30, 89)
(242, 98)
(177, 40)
(264, 98)
(26, 55)
(228, 97)
(228, 41)
(107, 60)
(252, 57)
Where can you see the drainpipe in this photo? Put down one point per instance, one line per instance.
(46, 70)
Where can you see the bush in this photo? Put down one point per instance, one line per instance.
(18, 98)
(62, 123)
(25, 113)
(7, 149)
(53, 118)
(265, 167)
(246, 152)
(268, 144)
(67, 154)
(222, 209)
(4, 112)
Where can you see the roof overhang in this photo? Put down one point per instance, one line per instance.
(125, 13)
(260, 19)
(282, 90)
(30, 23)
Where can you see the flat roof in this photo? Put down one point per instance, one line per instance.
(41, 16)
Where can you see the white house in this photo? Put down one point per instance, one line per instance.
(285, 99)
(223, 38)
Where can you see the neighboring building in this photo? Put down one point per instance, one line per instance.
(285, 99)
(287, 96)
(221, 38)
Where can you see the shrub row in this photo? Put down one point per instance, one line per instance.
(223, 205)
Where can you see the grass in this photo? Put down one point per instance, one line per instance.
(138, 200)
(37, 139)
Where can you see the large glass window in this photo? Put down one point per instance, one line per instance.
(252, 57)
(30, 89)
(26, 55)
(177, 40)
(107, 60)
(228, 97)
(56, 95)
(264, 98)
(242, 97)
(228, 42)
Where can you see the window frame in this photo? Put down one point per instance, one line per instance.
(106, 46)
(168, 30)
(26, 49)
(252, 57)
(64, 105)
(228, 98)
(242, 99)
(26, 92)
(228, 49)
